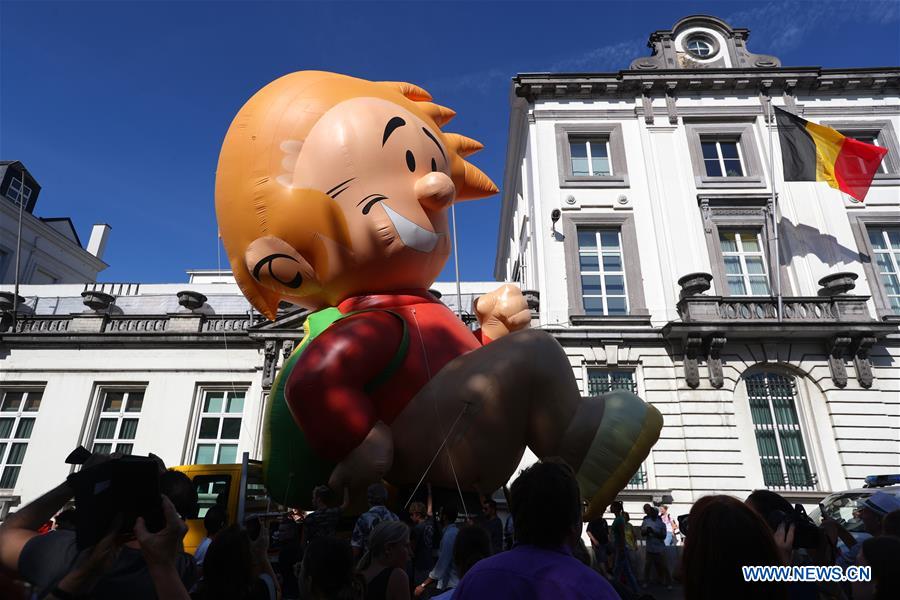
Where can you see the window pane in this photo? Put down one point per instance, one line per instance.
(135, 402)
(590, 284)
(578, 149)
(612, 262)
(729, 150)
(733, 168)
(2, 451)
(205, 454)
(713, 168)
(112, 401)
(876, 238)
(128, 429)
(616, 306)
(124, 448)
(598, 149)
(600, 166)
(733, 265)
(750, 241)
(755, 265)
(23, 431)
(214, 402)
(736, 286)
(12, 401)
(227, 454)
(33, 401)
(883, 260)
(589, 262)
(6, 426)
(727, 241)
(16, 453)
(759, 286)
(709, 151)
(579, 167)
(10, 476)
(587, 240)
(894, 238)
(615, 285)
(891, 284)
(236, 403)
(593, 306)
(102, 448)
(231, 429)
(609, 240)
(106, 429)
(209, 428)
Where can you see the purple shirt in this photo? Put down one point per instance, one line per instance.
(528, 572)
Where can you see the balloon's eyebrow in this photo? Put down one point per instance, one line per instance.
(433, 139)
(393, 124)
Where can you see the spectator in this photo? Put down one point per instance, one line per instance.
(671, 525)
(872, 512)
(366, 523)
(546, 504)
(726, 534)
(229, 572)
(472, 544)
(444, 573)
(623, 572)
(509, 533)
(653, 530)
(214, 521)
(423, 538)
(322, 522)
(383, 564)
(891, 524)
(882, 554)
(598, 533)
(327, 571)
(290, 554)
(492, 524)
(44, 560)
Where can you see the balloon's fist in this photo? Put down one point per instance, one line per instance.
(502, 311)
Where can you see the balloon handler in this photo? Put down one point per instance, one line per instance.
(332, 193)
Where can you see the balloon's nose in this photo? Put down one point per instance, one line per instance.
(435, 191)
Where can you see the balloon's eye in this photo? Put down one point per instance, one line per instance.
(410, 161)
(433, 166)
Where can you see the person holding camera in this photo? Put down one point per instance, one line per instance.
(653, 531)
(113, 566)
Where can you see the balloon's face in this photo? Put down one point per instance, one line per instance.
(388, 173)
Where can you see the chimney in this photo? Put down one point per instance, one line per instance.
(97, 243)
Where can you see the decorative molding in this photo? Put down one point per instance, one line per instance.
(855, 110)
(862, 362)
(836, 352)
(561, 115)
(670, 102)
(714, 363)
(693, 347)
(647, 103)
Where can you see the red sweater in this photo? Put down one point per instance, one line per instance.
(325, 390)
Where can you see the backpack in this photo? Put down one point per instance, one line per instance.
(291, 469)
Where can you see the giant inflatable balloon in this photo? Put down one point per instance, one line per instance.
(332, 193)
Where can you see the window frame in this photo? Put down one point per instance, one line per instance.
(743, 132)
(742, 255)
(634, 289)
(883, 131)
(17, 417)
(738, 212)
(92, 416)
(115, 441)
(720, 156)
(15, 197)
(612, 133)
(601, 273)
(860, 224)
(194, 440)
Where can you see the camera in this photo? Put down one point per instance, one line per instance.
(806, 534)
(113, 494)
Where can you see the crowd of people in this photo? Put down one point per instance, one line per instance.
(536, 552)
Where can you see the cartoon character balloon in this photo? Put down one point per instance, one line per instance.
(332, 193)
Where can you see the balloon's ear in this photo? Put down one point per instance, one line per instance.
(278, 267)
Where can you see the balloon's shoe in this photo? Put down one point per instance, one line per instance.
(627, 431)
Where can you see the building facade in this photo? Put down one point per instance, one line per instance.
(638, 206)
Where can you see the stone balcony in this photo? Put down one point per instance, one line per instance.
(834, 318)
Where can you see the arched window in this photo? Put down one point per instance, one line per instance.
(779, 436)
(699, 47)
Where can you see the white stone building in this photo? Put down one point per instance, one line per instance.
(619, 185)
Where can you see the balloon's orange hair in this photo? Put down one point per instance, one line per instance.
(269, 131)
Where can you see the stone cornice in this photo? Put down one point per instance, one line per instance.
(632, 83)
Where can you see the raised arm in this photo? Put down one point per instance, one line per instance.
(21, 526)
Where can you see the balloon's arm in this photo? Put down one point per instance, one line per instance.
(326, 389)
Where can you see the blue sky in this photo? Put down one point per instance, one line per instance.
(119, 108)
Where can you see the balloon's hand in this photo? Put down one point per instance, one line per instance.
(502, 311)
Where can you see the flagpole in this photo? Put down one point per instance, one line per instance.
(459, 310)
(15, 312)
(775, 267)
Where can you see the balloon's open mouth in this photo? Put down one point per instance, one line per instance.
(417, 238)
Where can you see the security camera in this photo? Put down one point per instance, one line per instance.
(555, 215)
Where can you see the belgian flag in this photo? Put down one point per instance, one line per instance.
(813, 152)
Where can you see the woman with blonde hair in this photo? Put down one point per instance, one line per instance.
(382, 566)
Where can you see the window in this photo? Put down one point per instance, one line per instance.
(724, 155)
(14, 191)
(779, 439)
(868, 138)
(117, 422)
(18, 411)
(219, 430)
(744, 260)
(601, 381)
(591, 155)
(211, 490)
(722, 158)
(699, 47)
(879, 133)
(602, 272)
(885, 243)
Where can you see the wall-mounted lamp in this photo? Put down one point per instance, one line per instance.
(555, 215)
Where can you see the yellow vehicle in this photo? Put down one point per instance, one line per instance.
(237, 487)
